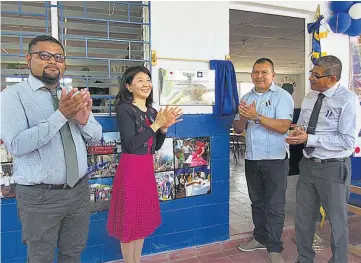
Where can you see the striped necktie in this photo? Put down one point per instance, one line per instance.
(311, 128)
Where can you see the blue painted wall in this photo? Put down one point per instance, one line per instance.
(186, 222)
(356, 180)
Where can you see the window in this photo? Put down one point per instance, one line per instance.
(20, 22)
(101, 40)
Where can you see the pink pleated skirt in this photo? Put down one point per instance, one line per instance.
(134, 211)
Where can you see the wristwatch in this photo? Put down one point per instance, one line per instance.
(257, 121)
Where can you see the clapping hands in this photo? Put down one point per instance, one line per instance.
(76, 105)
(248, 111)
(169, 116)
(297, 135)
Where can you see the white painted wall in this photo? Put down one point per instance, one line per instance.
(190, 29)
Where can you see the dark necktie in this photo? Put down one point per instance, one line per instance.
(311, 128)
(71, 161)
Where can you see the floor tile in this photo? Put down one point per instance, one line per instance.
(208, 249)
(159, 258)
(232, 252)
(208, 257)
(187, 260)
(182, 254)
(248, 257)
(221, 260)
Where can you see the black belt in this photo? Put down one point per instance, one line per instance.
(56, 186)
(331, 160)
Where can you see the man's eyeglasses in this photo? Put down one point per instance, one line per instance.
(43, 55)
(312, 75)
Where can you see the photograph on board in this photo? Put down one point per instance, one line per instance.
(164, 158)
(109, 143)
(100, 193)
(192, 181)
(165, 185)
(5, 156)
(6, 181)
(191, 152)
(102, 165)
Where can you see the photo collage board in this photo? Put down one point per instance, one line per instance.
(182, 168)
(103, 159)
(6, 172)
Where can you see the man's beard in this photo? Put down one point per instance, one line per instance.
(47, 78)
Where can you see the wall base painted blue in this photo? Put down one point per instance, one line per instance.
(186, 222)
(356, 180)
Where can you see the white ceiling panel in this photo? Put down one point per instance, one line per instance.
(254, 35)
(265, 32)
(286, 43)
(278, 22)
(239, 18)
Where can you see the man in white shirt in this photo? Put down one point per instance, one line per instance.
(328, 126)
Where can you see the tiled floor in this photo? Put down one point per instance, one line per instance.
(241, 220)
(240, 206)
(241, 227)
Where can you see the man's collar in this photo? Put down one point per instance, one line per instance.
(271, 88)
(329, 93)
(36, 84)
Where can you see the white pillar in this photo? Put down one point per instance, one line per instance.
(54, 20)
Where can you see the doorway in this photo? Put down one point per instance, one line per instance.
(281, 38)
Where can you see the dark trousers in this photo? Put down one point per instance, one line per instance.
(267, 183)
(326, 184)
(54, 218)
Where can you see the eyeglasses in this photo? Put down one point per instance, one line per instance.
(43, 55)
(318, 77)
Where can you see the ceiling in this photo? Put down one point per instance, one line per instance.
(255, 35)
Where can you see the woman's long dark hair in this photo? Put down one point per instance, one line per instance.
(124, 96)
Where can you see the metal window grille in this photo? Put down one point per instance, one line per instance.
(20, 23)
(101, 39)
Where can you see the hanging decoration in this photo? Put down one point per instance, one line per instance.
(339, 22)
(355, 11)
(314, 29)
(340, 6)
(346, 17)
(355, 28)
